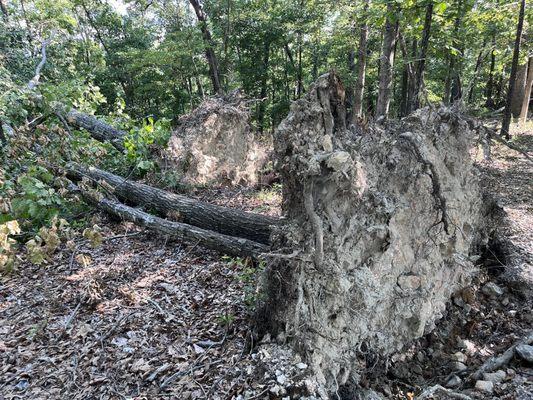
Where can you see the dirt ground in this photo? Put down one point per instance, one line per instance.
(145, 318)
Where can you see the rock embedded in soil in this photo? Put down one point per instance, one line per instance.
(458, 366)
(459, 357)
(492, 290)
(525, 352)
(485, 386)
(454, 382)
(382, 224)
(495, 377)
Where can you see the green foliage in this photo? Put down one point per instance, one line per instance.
(226, 320)
(141, 139)
(249, 275)
(36, 199)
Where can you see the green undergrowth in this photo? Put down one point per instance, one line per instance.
(37, 211)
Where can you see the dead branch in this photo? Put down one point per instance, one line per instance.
(35, 80)
(496, 362)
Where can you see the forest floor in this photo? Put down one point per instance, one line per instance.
(145, 318)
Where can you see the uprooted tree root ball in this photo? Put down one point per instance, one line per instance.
(214, 144)
(386, 224)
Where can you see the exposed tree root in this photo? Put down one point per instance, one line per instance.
(496, 362)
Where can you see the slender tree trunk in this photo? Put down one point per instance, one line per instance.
(264, 87)
(316, 60)
(527, 92)
(349, 89)
(209, 46)
(361, 65)
(421, 62)
(489, 89)
(411, 92)
(479, 60)
(3, 7)
(519, 90)
(299, 87)
(387, 62)
(403, 94)
(514, 66)
(407, 75)
(451, 74)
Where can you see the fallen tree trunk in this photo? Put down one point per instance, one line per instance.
(97, 129)
(224, 220)
(190, 234)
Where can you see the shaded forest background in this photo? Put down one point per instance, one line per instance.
(147, 58)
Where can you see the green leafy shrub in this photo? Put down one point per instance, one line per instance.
(36, 199)
(140, 140)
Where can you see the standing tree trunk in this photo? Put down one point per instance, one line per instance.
(519, 90)
(349, 89)
(479, 60)
(527, 92)
(514, 66)
(452, 75)
(357, 110)
(407, 75)
(264, 87)
(209, 46)
(3, 7)
(386, 65)
(299, 87)
(489, 89)
(421, 62)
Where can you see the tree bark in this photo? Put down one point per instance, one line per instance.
(349, 89)
(35, 80)
(224, 220)
(489, 89)
(97, 129)
(299, 72)
(387, 63)
(514, 66)
(472, 85)
(452, 75)
(527, 94)
(264, 88)
(209, 46)
(357, 110)
(421, 62)
(408, 75)
(519, 90)
(3, 7)
(187, 233)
